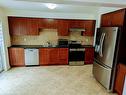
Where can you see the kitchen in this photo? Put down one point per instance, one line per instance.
(53, 42)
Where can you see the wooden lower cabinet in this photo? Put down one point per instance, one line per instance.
(89, 55)
(63, 56)
(53, 56)
(16, 56)
(120, 78)
(43, 56)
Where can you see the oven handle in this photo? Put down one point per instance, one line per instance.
(77, 49)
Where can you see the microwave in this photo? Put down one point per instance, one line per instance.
(63, 42)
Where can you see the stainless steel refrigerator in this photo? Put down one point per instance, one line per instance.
(106, 51)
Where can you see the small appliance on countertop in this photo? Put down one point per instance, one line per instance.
(63, 42)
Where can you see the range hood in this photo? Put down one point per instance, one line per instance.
(77, 29)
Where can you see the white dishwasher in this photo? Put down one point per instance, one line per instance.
(31, 57)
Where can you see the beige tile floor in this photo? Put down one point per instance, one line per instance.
(50, 80)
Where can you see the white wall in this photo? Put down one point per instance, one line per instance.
(6, 38)
(40, 14)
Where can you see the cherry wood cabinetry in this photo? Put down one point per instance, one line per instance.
(77, 24)
(18, 26)
(16, 56)
(53, 56)
(23, 26)
(48, 23)
(63, 56)
(43, 56)
(89, 28)
(89, 55)
(31, 26)
(115, 18)
(120, 77)
(88, 25)
(105, 20)
(63, 27)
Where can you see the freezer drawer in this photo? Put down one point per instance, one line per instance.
(31, 57)
(102, 74)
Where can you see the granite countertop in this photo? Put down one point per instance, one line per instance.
(37, 46)
(41, 46)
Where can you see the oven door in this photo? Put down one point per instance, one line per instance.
(76, 57)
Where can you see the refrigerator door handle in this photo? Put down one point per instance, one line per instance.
(101, 45)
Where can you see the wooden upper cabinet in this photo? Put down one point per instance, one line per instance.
(33, 28)
(115, 18)
(63, 27)
(118, 18)
(16, 56)
(23, 26)
(77, 24)
(18, 26)
(48, 23)
(105, 20)
(120, 77)
(89, 28)
(88, 25)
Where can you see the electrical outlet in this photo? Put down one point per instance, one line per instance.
(87, 40)
(25, 39)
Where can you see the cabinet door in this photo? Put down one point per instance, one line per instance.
(63, 56)
(53, 56)
(89, 28)
(33, 28)
(43, 56)
(48, 23)
(48, 56)
(23, 26)
(63, 27)
(16, 56)
(106, 20)
(89, 56)
(118, 18)
(17, 26)
(77, 24)
(120, 77)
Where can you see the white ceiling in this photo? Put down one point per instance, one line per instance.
(73, 6)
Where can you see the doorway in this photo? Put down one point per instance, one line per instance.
(1, 65)
(1, 46)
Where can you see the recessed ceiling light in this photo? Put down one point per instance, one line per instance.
(51, 5)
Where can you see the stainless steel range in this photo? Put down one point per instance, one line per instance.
(76, 53)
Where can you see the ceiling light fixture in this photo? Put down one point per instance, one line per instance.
(51, 5)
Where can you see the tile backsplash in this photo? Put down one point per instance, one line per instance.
(46, 35)
(50, 35)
